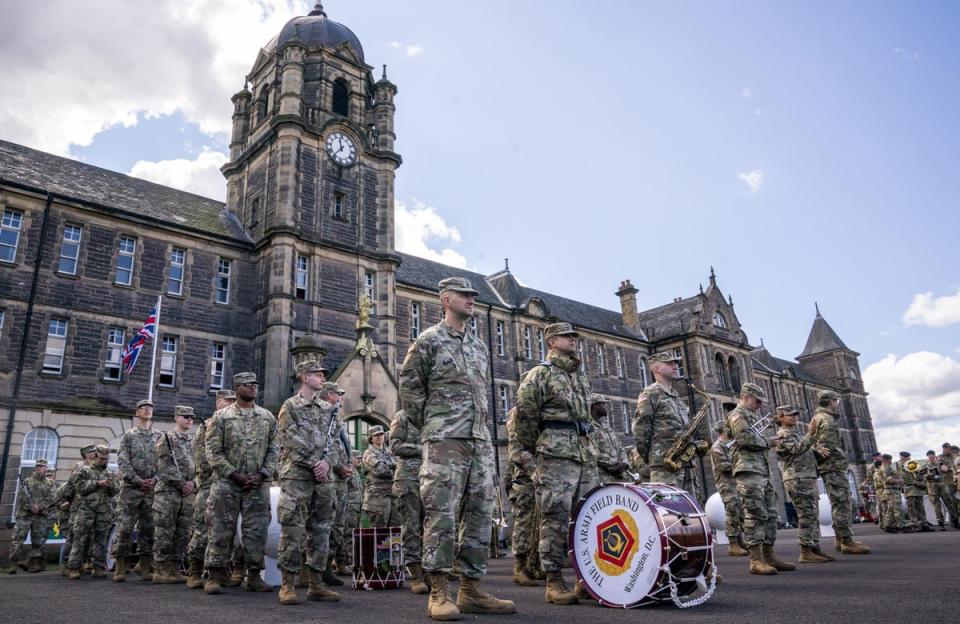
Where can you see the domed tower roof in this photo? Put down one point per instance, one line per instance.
(316, 30)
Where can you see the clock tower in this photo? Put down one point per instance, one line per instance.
(311, 179)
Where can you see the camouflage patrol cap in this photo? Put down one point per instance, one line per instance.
(720, 427)
(375, 431)
(183, 410)
(144, 403)
(787, 409)
(330, 387)
(341, 390)
(827, 395)
(103, 452)
(598, 398)
(86, 450)
(458, 284)
(226, 395)
(40, 462)
(752, 389)
(663, 357)
(904, 453)
(245, 378)
(310, 366)
(559, 329)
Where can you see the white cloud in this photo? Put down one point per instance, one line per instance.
(939, 312)
(410, 49)
(201, 175)
(917, 438)
(420, 226)
(921, 387)
(753, 179)
(82, 67)
(910, 55)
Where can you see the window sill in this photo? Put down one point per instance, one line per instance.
(176, 295)
(9, 263)
(124, 286)
(166, 388)
(220, 303)
(51, 374)
(67, 275)
(113, 382)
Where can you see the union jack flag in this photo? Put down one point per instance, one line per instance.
(131, 352)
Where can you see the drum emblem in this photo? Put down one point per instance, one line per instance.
(616, 543)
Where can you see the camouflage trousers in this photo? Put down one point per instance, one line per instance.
(881, 509)
(134, 509)
(378, 503)
(759, 501)
(227, 501)
(838, 490)
(456, 487)
(942, 496)
(351, 521)
(37, 527)
(893, 514)
(337, 534)
(172, 518)
(199, 534)
(410, 509)
(305, 511)
(89, 533)
(733, 510)
(916, 515)
(523, 505)
(806, 500)
(559, 485)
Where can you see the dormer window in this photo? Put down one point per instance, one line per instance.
(719, 320)
(341, 98)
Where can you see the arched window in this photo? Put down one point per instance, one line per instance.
(722, 372)
(644, 372)
(260, 106)
(41, 442)
(734, 374)
(341, 98)
(719, 320)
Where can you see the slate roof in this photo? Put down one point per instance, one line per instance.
(822, 338)
(765, 362)
(423, 273)
(672, 319)
(86, 183)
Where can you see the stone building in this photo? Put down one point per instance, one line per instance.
(276, 273)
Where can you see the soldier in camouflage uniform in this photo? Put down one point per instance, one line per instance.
(174, 497)
(137, 464)
(873, 507)
(351, 519)
(931, 474)
(612, 465)
(914, 490)
(880, 489)
(406, 449)
(343, 470)
(241, 446)
(34, 515)
(948, 486)
(64, 498)
(722, 463)
(444, 384)
(553, 423)
(825, 426)
(203, 476)
(307, 433)
(799, 469)
(752, 472)
(892, 492)
(523, 502)
(90, 527)
(380, 465)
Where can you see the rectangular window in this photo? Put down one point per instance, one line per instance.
(338, 200)
(644, 375)
(619, 353)
(223, 281)
(625, 410)
(601, 364)
(125, 257)
(70, 249)
(501, 329)
(301, 278)
(56, 345)
(541, 345)
(254, 216)
(168, 362)
(527, 346)
(370, 288)
(217, 358)
(414, 321)
(3, 318)
(113, 366)
(178, 258)
(504, 402)
(582, 355)
(10, 234)
(678, 353)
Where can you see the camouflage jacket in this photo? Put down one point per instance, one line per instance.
(406, 449)
(43, 493)
(609, 451)
(661, 417)
(444, 383)
(344, 450)
(795, 454)
(891, 478)
(244, 441)
(946, 461)
(203, 471)
(553, 398)
(828, 435)
(879, 486)
(520, 462)
(138, 456)
(750, 454)
(380, 466)
(722, 463)
(302, 435)
(913, 483)
(92, 496)
(175, 463)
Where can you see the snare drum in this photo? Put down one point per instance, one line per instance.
(636, 544)
(377, 558)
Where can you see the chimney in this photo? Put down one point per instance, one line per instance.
(628, 305)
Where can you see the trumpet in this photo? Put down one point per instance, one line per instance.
(757, 428)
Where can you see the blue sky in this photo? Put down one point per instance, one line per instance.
(808, 151)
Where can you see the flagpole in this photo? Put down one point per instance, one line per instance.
(153, 359)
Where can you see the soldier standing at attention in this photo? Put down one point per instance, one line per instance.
(874, 508)
(948, 486)
(203, 478)
(913, 490)
(799, 469)
(444, 384)
(96, 487)
(612, 463)
(352, 519)
(241, 446)
(342, 468)
(833, 470)
(380, 466)
(137, 463)
(754, 486)
(174, 497)
(35, 505)
(722, 464)
(343, 475)
(523, 502)
(931, 473)
(553, 423)
(878, 487)
(65, 496)
(892, 491)
(406, 448)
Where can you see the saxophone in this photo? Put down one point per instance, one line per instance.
(685, 447)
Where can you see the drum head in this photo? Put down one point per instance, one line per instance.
(616, 545)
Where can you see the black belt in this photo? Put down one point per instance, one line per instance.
(582, 428)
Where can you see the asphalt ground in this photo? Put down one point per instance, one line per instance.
(907, 578)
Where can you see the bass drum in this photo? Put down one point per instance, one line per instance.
(637, 544)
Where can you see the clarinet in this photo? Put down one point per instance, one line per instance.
(334, 421)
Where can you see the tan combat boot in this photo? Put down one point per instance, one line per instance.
(74, 574)
(849, 547)
(439, 606)
(319, 592)
(120, 570)
(809, 555)
(581, 591)
(99, 572)
(557, 592)
(520, 575)
(757, 563)
(303, 580)
(772, 558)
(36, 565)
(254, 583)
(820, 553)
(214, 579)
(417, 583)
(144, 567)
(195, 575)
(234, 578)
(736, 550)
(343, 569)
(471, 600)
(288, 591)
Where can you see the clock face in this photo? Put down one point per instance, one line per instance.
(342, 149)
